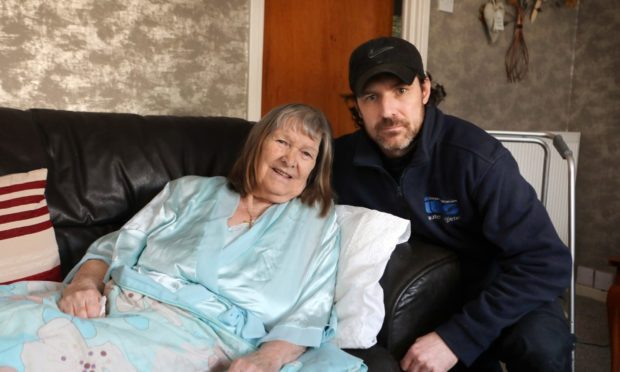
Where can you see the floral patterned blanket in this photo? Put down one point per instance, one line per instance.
(37, 336)
(136, 334)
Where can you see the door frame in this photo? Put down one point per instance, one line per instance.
(416, 24)
(255, 59)
(416, 16)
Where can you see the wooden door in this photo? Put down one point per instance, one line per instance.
(306, 51)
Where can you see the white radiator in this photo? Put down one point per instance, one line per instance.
(529, 156)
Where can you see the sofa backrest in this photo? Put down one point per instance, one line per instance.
(104, 167)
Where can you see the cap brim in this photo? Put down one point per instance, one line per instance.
(402, 72)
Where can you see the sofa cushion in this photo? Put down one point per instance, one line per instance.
(104, 167)
(21, 149)
(27, 242)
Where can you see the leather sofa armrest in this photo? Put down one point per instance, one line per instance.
(377, 358)
(421, 290)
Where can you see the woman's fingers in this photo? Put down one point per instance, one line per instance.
(81, 303)
(93, 307)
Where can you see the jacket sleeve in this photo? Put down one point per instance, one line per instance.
(534, 264)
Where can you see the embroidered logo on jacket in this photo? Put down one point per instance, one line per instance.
(439, 209)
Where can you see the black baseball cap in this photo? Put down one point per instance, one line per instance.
(390, 55)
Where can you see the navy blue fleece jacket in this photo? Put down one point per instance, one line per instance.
(462, 189)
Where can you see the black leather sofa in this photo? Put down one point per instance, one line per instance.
(103, 167)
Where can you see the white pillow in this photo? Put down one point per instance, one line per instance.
(368, 238)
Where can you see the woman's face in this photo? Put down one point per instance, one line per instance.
(287, 157)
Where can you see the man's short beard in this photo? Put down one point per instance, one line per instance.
(398, 147)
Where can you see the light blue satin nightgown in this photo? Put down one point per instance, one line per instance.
(273, 281)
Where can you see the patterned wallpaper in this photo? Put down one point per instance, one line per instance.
(572, 85)
(140, 56)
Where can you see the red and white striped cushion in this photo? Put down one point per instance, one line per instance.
(28, 248)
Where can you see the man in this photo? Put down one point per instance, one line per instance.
(462, 189)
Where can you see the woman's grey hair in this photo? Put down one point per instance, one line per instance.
(311, 122)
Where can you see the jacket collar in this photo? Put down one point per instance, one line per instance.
(367, 152)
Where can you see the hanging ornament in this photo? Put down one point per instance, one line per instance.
(535, 10)
(517, 57)
(493, 16)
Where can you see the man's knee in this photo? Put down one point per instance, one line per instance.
(533, 354)
(540, 341)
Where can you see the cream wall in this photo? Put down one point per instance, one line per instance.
(141, 56)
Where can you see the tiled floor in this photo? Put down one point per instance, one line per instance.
(592, 352)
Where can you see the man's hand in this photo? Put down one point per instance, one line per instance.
(270, 357)
(428, 353)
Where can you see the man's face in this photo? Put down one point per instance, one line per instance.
(393, 112)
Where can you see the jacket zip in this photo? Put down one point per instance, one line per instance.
(401, 196)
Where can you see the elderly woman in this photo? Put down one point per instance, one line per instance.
(212, 274)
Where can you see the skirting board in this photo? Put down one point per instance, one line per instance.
(593, 293)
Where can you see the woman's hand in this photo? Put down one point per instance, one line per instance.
(81, 299)
(270, 357)
(83, 296)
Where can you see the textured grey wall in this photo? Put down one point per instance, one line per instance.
(139, 56)
(572, 85)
